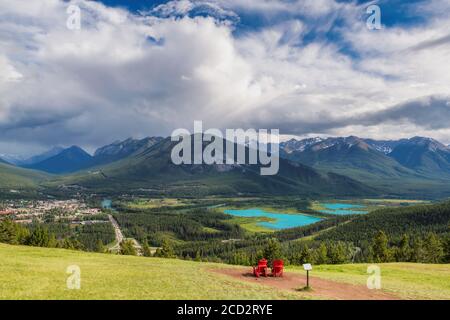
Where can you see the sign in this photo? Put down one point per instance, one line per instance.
(307, 266)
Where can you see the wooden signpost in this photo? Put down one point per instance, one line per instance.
(307, 267)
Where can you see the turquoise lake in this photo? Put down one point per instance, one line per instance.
(342, 208)
(106, 204)
(282, 220)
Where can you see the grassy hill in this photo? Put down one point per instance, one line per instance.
(12, 177)
(40, 273)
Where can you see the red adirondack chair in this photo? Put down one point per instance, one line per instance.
(277, 268)
(261, 268)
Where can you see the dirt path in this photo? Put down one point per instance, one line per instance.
(321, 288)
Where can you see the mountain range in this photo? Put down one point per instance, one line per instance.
(345, 155)
(68, 160)
(417, 167)
(408, 166)
(61, 161)
(417, 156)
(122, 149)
(151, 169)
(40, 157)
(427, 156)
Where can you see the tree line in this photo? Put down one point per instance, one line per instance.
(57, 235)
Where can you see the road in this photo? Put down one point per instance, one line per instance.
(118, 232)
(120, 237)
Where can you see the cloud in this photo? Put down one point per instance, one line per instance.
(429, 44)
(7, 72)
(315, 68)
(428, 112)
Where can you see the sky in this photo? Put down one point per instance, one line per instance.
(144, 68)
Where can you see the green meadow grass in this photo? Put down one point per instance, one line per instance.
(40, 273)
(405, 280)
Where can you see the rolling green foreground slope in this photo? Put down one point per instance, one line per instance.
(39, 273)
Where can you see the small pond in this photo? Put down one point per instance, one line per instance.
(342, 208)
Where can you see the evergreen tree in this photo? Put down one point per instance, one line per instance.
(433, 249)
(39, 237)
(403, 252)
(446, 244)
(158, 252)
(379, 249)
(100, 247)
(78, 245)
(321, 254)
(52, 242)
(127, 248)
(272, 250)
(240, 258)
(305, 255)
(256, 255)
(8, 232)
(337, 253)
(71, 244)
(146, 251)
(166, 250)
(198, 256)
(66, 244)
(418, 254)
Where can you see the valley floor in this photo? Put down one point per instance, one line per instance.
(40, 273)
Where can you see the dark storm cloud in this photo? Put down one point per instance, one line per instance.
(22, 119)
(428, 113)
(445, 40)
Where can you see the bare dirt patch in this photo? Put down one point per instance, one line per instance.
(321, 288)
